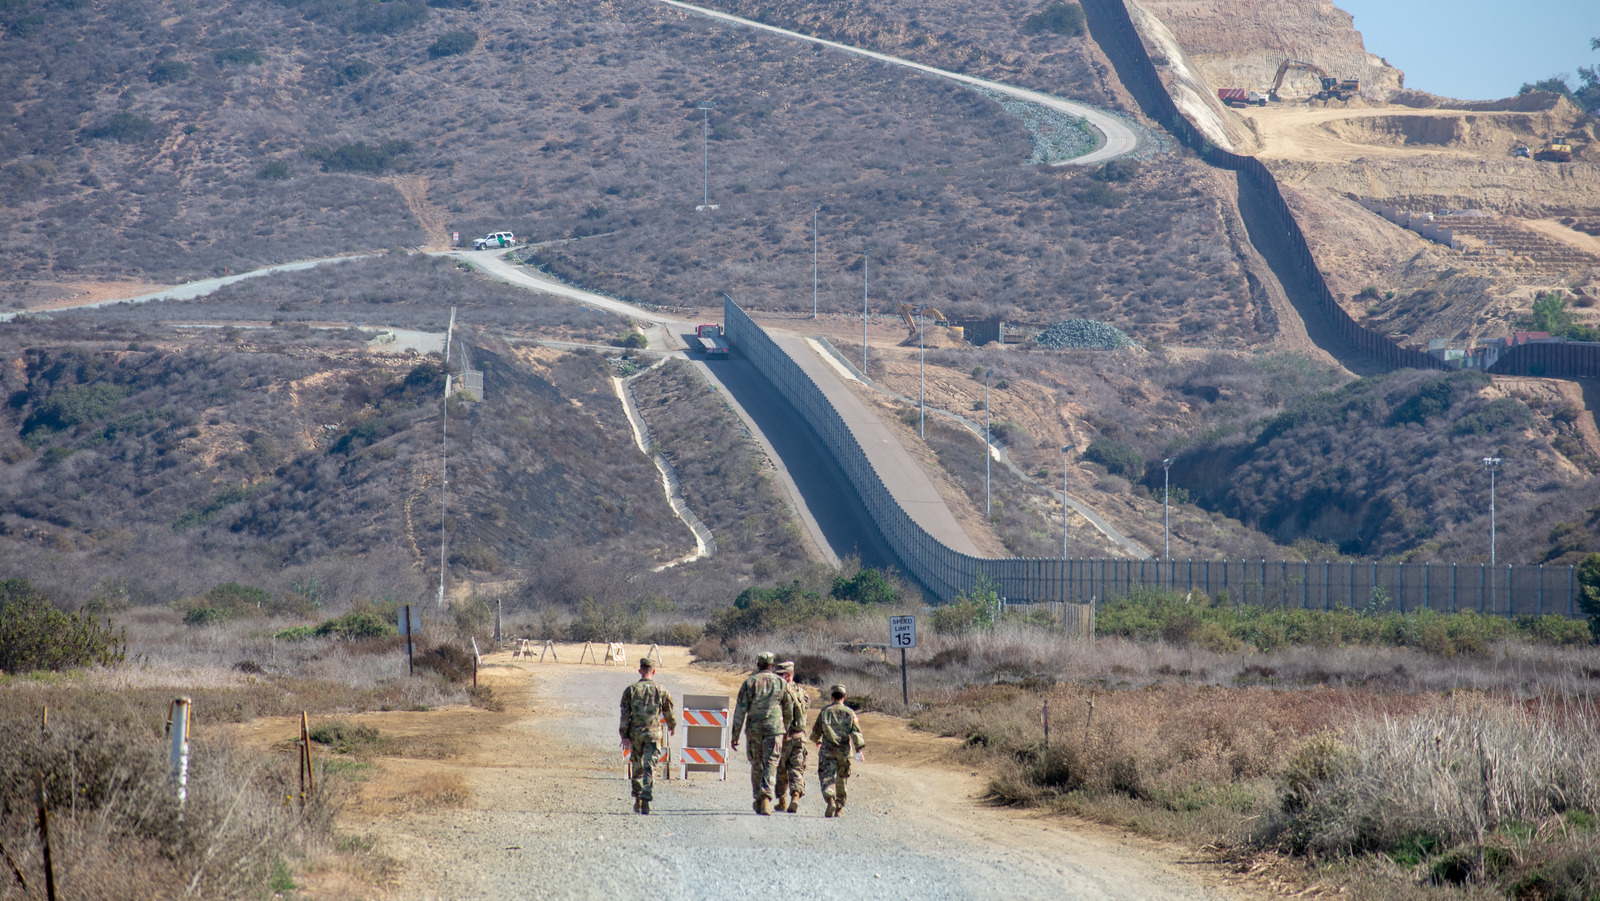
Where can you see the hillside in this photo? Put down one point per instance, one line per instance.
(143, 462)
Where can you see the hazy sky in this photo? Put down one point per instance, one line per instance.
(1479, 49)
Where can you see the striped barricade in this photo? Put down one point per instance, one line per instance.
(705, 739)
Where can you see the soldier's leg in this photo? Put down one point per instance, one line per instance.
(827, 774)
(781, 783)
(636, 766)
(647, 751)
(843, 780)
(771, 751)
(752, 753)
(797, 768)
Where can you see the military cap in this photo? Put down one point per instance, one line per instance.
(648, 663)
(765, 657)
(786, 666)
(836, 690)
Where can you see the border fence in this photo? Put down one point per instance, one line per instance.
(1512, 590)
(1111, 24)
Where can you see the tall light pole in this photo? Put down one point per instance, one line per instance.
(922, 377)
(444, 452)
(814, 263)
(1166, 508)
(1065, 450)
(1492, 464)
(705, 107)
(987, 453)
(863, 313)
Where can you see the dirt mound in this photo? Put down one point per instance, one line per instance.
(1241, 43)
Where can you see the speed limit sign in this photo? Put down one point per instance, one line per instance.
(902, 631)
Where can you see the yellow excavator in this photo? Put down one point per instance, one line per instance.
(1557, 151)
(1332, 88)
(908, 312)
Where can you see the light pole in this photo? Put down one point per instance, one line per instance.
(863, 313)
(1166, 508)
(922, 378)
(987, 453)
(1492, 464)
(1065, 450)
(814, 262)
(705, 106)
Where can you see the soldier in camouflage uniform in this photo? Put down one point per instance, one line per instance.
(838, 734)
(645, 704)
(765, 711)
(792, 764)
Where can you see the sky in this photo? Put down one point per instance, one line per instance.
(1479, 49)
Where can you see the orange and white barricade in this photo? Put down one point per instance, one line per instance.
(705, 739)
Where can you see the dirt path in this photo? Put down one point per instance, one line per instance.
(414, 188)
(532, 803)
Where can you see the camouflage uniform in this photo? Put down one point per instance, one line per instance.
(839, 734)
(645, 704)
(791, 778)
(765, 710)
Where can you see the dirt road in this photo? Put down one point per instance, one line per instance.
(535, 805)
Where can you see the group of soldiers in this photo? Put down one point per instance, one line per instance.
(770, 713)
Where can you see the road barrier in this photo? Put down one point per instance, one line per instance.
(1113, 29)
(945, 573)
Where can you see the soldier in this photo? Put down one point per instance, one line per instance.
(837, 733)
(765, 699)
(645, 704)
(792, 764)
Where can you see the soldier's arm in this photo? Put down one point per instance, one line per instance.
(627, 713)
(791, 712)
(667, 712)
(856, 738)
(816, 727)
(740, 708)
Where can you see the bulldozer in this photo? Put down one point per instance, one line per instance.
(1332, 88)
(1557, 151)
(908, 312)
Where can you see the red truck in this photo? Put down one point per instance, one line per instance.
(709, 341)
(1240, 97)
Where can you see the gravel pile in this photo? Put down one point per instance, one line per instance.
(1082, 334)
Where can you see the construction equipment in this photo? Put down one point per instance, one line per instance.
(908, 312)
(1241, 97)
(1332, 88)
(1557, 151)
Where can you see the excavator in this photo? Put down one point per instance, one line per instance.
(908, 312)
(1557, 151)
(1332, 88)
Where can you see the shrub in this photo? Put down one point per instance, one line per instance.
(970, 610)
(126, 128)
(343, 737)
(277, 170)
(238, 56)
(1117, 171)
(378, 17)
(451, 661)
(359, 157)
(353, 71)
(358, 624)
(1500, 413)
(1119, 459)
(1057, 18)
(453, 43)
(633, 341)
(168, 71)
(206, 616)
(34, 635)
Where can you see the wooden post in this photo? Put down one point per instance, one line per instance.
(180, 748)
(44, 720)
(15, 870)
(44, 838)
(474, 672)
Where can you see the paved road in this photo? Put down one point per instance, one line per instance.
(1119, 139)
(550, 818)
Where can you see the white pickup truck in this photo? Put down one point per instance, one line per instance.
(494, 239)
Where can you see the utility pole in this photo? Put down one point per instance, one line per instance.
(814, 264)
(863, 313)
(444, 451)
(922, 378)
(1166, 508)
(1065, 450)
(987, 452)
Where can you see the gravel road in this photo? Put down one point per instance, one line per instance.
(550, 817)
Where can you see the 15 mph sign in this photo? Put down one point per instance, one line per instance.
(902, 632)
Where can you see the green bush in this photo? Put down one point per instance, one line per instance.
(277, 170)
(360, 156)
(359, 624)
(34, 635)
(1119, 459)
(354, 71)
(206, 616)
(1057, 18)
(453, 43)
(345, 738)
(785, 607)
(969, 611)
(1496, 415)
(168, 71)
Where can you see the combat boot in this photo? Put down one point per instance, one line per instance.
(794, 803)
(644, 806)
(830, 811)
(838, 807)
(764, 806)
(635, 805)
